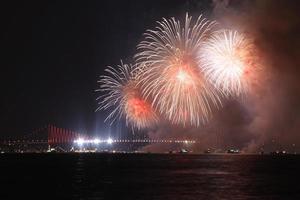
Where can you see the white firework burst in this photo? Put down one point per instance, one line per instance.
(169, 74)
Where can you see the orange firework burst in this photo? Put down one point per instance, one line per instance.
(169, 75)
(122, 93)
(228, 60)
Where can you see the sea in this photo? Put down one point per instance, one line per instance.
(149, 176)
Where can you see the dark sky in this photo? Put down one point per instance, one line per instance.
(53, 53)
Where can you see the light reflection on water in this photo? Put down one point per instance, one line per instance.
(147, 176)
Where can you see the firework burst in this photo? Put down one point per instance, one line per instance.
(169, 74)
(228, 61)
(123, 95)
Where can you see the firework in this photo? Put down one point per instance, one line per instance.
(227, 60)
(123, 95)
(169, 74)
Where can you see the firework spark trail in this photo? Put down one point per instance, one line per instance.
(169, 74)
(228, 61)
(122, 94)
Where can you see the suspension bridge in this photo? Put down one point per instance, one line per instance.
(52, 135)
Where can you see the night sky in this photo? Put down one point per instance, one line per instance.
(54, 52)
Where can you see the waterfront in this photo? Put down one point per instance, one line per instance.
(149, 176)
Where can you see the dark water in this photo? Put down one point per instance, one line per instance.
(145, 176)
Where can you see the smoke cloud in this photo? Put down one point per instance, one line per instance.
(269, 116)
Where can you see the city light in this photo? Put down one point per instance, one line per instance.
(96, 141)
(109, 141)
(79, 141)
